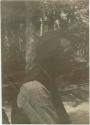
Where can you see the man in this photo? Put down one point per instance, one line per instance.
(39, 98)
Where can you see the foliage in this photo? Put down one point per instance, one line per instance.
(45, 17)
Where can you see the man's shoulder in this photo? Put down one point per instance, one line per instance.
(32, 85)
(29, 91)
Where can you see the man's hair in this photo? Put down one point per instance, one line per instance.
(50, 53)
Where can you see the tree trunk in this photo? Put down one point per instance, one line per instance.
(32, 31)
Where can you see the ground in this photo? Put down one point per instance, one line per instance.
(78, 114)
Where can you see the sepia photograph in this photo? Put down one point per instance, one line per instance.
(45, 61)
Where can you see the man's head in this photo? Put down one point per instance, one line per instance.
(53, 53)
